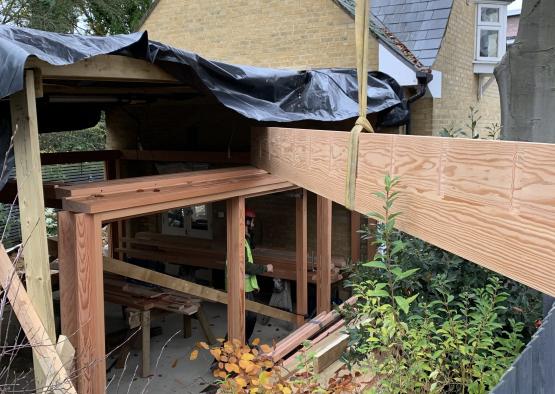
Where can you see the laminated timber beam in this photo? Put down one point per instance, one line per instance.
(491, 202)
(103, 68)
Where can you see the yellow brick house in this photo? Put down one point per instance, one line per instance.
(457, 41)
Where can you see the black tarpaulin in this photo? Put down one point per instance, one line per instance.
(257, 93)
(262, 94)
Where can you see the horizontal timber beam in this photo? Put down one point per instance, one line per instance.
(491, 202)
(135, 272)
(103, 68)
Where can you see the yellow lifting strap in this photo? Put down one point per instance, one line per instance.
(362, 15)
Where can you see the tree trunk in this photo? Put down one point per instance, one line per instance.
(526, 77)
(526, 80)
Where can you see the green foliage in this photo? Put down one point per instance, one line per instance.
(492, 131)
(99, 17)
(423, 326)
(67, 141)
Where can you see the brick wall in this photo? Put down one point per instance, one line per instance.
(460, 84)
(272, 33)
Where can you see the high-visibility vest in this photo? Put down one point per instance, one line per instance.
(251, 283)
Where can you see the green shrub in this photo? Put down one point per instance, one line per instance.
(427, 327)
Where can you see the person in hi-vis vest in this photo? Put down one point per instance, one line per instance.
(251, 270)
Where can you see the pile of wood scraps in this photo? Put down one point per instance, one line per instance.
(141, 297)
(176, 250)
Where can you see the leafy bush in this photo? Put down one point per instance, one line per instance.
(427, 329)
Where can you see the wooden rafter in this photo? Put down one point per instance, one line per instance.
(491, 202)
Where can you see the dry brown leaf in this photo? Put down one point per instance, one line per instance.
(194, 355)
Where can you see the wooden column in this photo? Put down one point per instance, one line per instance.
(355, 236)
(31, 206)
(371, 247)
(82, 296)
(323, 254)
(302, 257)
(236, 268)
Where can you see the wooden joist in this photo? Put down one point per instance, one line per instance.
(491, 202)
(188, 156)
(57, 379)
(103, 68)
(132, 271)
(128, 197)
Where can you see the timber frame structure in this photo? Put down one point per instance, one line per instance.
(491, 202)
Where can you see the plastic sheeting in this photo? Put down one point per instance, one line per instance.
(262, 94)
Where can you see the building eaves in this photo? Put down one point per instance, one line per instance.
(418, 25)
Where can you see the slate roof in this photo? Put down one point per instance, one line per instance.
(418, 26)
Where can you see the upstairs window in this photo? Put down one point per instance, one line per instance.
(491, 25)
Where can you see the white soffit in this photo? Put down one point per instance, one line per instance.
(403, 74)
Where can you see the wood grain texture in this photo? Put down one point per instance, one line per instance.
(301, 251)
(491, 202)
(236, 268)
(104, 68)
(82, 297)
(323, 254)
(52, 367)
(31, 207)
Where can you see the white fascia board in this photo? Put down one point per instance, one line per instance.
(390, 64)
(393, 66)
(434, 87)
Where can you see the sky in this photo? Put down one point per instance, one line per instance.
(517, 4)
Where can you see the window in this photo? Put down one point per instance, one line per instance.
(194, 221)
(491, 24)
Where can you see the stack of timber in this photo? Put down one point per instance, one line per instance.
(144, 298)
(180, 250)
(324, 325)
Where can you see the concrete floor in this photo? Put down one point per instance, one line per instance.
(171, 369)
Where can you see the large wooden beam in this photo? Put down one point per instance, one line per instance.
(82, 297)
(323, 254)
(132, 271)
(491, 202)
(31, 206)
(103, 68)
(236, 268)
(301, 246)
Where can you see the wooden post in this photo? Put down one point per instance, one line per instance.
(323, 254)
(31, 207)
(82, 296)
(371, 247)
(355, 236)
(145, 348)
(236, 268)
(302, 257)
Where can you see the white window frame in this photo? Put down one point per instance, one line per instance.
(500, 27)
(187, 230)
